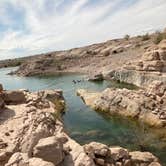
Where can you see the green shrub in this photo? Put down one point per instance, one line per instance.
(127, 37)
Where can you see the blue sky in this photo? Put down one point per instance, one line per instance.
(30, 27)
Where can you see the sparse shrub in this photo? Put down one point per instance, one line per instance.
(160, 36)
(145, 37)
(127, 37)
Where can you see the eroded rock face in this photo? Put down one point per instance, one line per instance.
(145, 158)
(151, 67)
(147, 106)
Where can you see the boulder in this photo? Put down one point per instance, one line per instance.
(145, 158)
(118, 153)
(49, 149)
(14, 97)
(98, 149)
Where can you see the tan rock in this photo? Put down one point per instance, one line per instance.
(37, 161)
(49, 149)
(151, 56)
(119, 153)
(97, 149)
(76, 155)
(142, 157)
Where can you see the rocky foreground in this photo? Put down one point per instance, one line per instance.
(32, 134)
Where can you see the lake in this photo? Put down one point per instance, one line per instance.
(84, 124)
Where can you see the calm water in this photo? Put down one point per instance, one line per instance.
(84, 124)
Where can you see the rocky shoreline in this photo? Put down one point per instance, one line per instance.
(146, 105)
(32, 134)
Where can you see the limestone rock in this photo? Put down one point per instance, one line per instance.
(162, 44)
(151, 56)
(76, 155)
(157, 88)
(97, 149)
(142, 157)
(136, 104)
(118, 153)
(49, 149)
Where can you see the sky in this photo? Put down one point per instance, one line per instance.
(30, 27)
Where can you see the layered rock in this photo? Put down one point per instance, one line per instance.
(152, 66)
(146, 106)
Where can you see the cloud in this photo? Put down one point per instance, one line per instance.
(32, 27)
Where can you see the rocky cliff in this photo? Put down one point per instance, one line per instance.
(151, 66)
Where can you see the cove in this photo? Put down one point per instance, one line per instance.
(85, 125)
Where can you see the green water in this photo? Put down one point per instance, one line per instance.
(84, 124)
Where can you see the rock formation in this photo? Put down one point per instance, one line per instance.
(32, 134)
(152, 66)
(145, 105)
